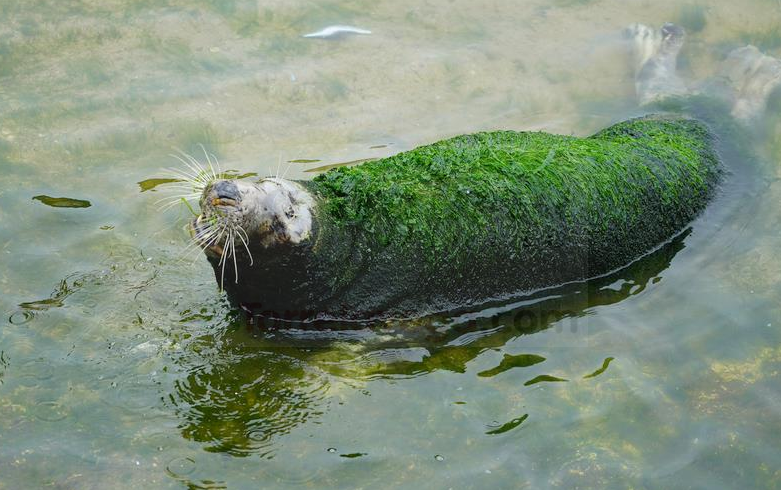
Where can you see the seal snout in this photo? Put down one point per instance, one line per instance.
(224, 193)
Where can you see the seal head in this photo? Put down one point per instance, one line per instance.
(239, 217)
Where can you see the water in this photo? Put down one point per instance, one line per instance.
(122, 366)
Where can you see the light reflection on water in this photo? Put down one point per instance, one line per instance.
(120, 364)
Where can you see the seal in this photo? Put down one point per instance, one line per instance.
(468, 220)
(457, 223)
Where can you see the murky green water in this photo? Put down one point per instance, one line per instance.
(121, 365)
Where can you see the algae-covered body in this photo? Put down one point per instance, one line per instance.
(460, 222)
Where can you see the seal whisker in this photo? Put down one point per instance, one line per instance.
(195, 181)
(210, 174)
(191, 181)
(182, 188)
(225, 252)
(177, 197)
(203, 240)
(199, 180)
(184, 191)
(215, 236)
(200, 173)
(218, 173)
(184, 162)
(189, 194)
(189, 251)
(168, 203)
(235, 265)
(190, 163)
(179, 158)
(287, 169)
(222, 261)
(245, 240)
(184, 180)
(188, 254)
(279, 164)
(192, 160)
(206, 236)
(190, 173)
(207, 239)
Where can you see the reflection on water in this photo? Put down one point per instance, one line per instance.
(241, 402)
(122, 365)
(246, 387)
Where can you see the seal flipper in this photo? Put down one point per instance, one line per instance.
(746, 78)
(753, 76)
(656, 56)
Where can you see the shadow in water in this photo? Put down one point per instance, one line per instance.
(246, 387)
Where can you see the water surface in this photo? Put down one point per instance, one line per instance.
(121, 364)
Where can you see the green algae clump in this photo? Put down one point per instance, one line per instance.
(518, 210)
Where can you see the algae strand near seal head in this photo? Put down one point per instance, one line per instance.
(459, 222)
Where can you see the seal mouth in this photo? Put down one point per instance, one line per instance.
(223, 202)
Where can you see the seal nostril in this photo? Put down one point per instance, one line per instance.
(226, 189)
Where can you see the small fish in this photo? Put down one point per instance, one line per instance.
(336, 31)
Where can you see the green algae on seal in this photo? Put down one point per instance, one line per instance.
(457, 223)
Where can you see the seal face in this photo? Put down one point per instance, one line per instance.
(263, 214)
